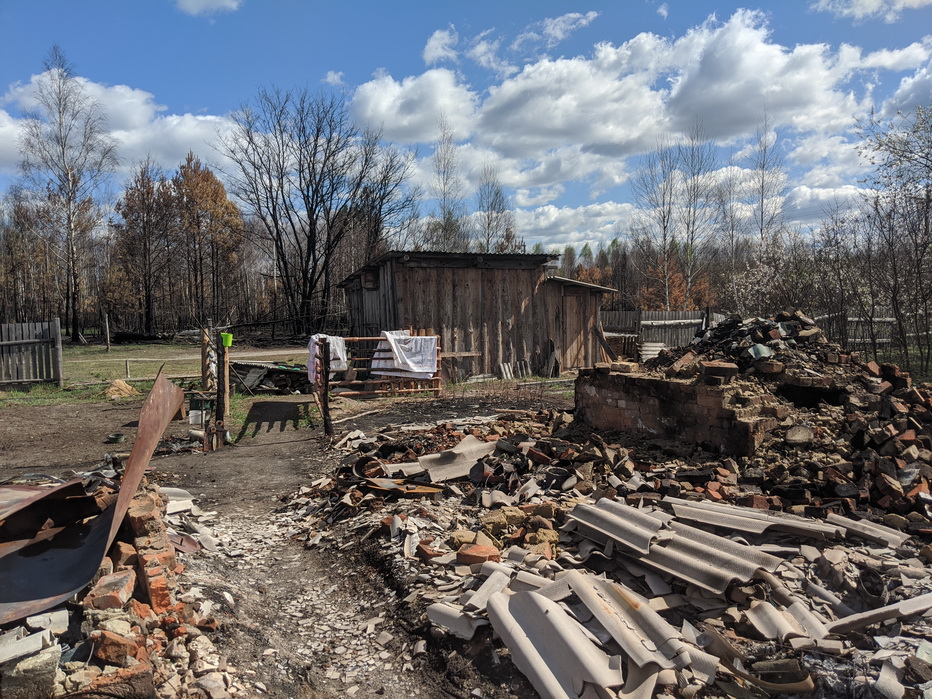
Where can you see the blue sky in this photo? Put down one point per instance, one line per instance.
(562, 97)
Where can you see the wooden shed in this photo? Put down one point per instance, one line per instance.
(488, 309)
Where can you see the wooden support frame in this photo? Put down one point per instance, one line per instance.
(361, 357)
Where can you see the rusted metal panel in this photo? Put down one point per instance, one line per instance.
(42, 574)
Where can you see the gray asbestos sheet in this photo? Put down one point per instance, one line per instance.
(550, 648)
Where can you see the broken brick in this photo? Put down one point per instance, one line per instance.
(112, 591)
(113, 648)
(469, 554)
(122, 554)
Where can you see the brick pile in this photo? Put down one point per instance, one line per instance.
(133, 632)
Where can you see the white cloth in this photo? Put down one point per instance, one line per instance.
(412, 356)
(337, 355)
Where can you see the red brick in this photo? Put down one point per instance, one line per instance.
(122, 554)
(426, 552)
(113, 648)
(758, 502)
(469, 554)
(112, 591)
(133, 681)
(156, 547)
(158, 590)
(143, 611)
(144, 516)
(538, 457)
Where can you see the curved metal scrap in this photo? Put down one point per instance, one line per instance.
(38, 576)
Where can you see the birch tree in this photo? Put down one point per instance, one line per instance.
(68, 155)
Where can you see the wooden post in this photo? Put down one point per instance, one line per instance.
(223, 382)
(107, 329)
(324, 353)
(127, 369)
(205, 359)
(57, 354)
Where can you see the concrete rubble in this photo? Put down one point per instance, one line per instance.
(608, 564)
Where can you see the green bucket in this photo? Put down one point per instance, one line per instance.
(226, 339)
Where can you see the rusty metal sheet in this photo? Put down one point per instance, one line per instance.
(45, 573)
(15, 498)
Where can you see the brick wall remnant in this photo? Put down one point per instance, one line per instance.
(721, 416)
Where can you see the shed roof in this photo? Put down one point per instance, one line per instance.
(455, 259)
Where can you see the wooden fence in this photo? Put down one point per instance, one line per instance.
(672, 328)
(30, 353)
(855, 333)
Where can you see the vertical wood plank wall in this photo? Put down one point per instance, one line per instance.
(496, 314)
(30, 352)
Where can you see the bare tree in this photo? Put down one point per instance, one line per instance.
(302, 169)
(495, 230)
(654, 187)
(768, 193)
(67, 152)
(448, 231)
(696, 208)
(731, 227)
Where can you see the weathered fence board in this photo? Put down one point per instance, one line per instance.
(855, 333)
(672, 328)
(30, 352)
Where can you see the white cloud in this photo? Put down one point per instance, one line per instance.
(408, 110)
(440, 46)
(485, 53)
(593, 224)
(732, 74)
(828, 161)
(911, 56)
(889, 10)
(559, 28)
(134, 119)
(207, 7)
(570, 102)
(807, 206)
(913, 90)
(333, 77)
(9, 137)
(553, 30)
(537, 197)
(585, 119)
(663, 10)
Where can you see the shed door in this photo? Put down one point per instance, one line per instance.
(574, 323)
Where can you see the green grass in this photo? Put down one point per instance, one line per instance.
(85, 363)
(92, 364)
(39, 394)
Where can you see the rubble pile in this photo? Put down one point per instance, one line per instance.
(134, 630)
(610, 564)
(859, 433)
